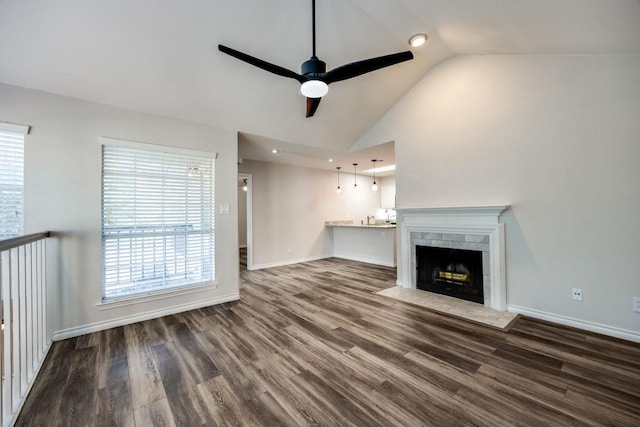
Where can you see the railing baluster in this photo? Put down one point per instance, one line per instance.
(14, 318)
(22, 289)
(26, 313)
(25, 335)
(38, 282)
(43, 274)
(33, 310)
(6, 336)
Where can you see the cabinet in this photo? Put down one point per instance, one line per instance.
(388, 197)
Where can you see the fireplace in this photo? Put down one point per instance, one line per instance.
(453, 272)
(473, 228)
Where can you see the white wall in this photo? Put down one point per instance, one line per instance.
(291, 204)
(558, 138)
(63, 194)
(387, 181)
(387, 191)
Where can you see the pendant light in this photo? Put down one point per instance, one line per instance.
(355, 183)
(244, 186)
(338, 190)
(374, 187)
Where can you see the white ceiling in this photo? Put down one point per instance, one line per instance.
(161, 57)
(255, 147)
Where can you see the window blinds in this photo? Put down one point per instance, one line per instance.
(12, 180)
(157, 219)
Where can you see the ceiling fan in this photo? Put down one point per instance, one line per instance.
(314, 77)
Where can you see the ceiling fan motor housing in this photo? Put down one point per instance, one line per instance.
(312, 67)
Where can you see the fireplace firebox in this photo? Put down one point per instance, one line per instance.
(453, 272)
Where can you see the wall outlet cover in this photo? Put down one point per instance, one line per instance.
(636, 304)
(576, 294)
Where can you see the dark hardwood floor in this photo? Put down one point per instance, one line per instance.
(311, 344)
(243, 258)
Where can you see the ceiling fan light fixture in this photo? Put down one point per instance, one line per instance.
(314, 89)
(418, 40)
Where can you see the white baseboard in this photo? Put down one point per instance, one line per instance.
(127, 320)
(368, 260)
(288, 262)
(577, 323)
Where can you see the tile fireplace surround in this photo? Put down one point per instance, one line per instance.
(467, 227)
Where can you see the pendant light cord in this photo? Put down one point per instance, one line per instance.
(374, 171)
(355, 181)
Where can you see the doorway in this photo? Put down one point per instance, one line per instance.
(245, 221)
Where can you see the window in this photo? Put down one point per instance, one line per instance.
(12, 179)
(157, 218)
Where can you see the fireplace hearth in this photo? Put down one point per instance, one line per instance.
(453, 272)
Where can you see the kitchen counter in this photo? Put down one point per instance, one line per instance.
(351, 224)
(373, 244)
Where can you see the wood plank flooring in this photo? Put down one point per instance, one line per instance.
(312, 344)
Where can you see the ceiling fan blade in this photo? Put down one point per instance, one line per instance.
(275, 69)
(358, 68)
(312, 106)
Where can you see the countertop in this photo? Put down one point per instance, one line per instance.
(351, 224)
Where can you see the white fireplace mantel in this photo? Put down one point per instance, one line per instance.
(482, 220)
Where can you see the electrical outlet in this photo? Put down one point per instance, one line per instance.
(576, 294)
(289, 249)
(636, 304)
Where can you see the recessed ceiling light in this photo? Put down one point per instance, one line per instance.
(274, 151)
(417, 40)
(330, 160)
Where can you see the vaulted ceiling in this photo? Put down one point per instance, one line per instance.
(161, 57)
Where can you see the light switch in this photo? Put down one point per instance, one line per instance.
(224, 209)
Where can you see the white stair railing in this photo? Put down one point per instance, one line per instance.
(26, 338)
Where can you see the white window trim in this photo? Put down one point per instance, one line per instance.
(12, 127)
(18, 131)
(112, 303)
(114, 142)
(156, 295)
